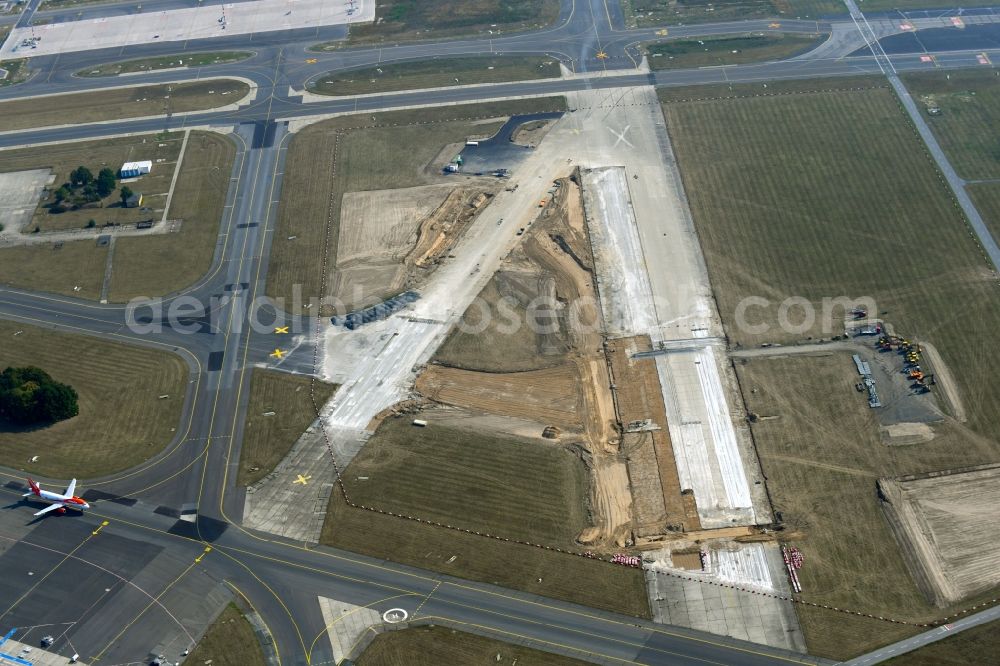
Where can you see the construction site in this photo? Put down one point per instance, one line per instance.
(391, 240)
(945, 524)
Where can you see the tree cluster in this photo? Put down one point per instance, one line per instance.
(29, 396)
(83, 187)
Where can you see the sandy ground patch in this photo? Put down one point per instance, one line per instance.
(378, 229)
(945, 523)
(945, 381)
(393, 239)
(547, 396)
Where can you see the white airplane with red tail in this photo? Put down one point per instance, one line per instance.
(59, 503)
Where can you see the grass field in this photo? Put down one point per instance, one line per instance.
(656, 12)
(823, 194)
(17, 70)
(95, 155)
(978, 645)
(493, 350)
(143, 266)
(327, 159)
(163, 264)
(166, 62)
(279, 411)
(434, 645)
(74, 269)
(987, 200)
(131, 102)
(829, 194)
(516, 488)
(734, 50)
(969, 101)
(398, 20)
(122, 421)
(821, 456)
(435, 74)
(230, 641)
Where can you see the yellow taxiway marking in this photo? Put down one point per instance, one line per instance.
(281, 329)
(601, 55)
(774, 25)
(278, 354)
(208, 549)
(100, 527)
(662, 33)
(311, 61)
(304, 480)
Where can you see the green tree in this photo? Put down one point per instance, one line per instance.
(81, 176)
(125, 194)
(106, 182)
(29, 396)
(62, 194)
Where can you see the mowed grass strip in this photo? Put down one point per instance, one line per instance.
(122, 419)
(969, 114)
(986, 197)
(366, 152)
(729, 50)
(230, 641)
(166, 62)
(500, 485)
(828, 194)
(167, 263)
(278, 412)
(434, 645)
(402, 20)
(821, 452)
(516, 488)
(436, 73)
(73, 269)
(118, 103)
(656, 12)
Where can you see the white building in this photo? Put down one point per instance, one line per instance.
(133, 169)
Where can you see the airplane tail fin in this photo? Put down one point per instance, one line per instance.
(35, 488)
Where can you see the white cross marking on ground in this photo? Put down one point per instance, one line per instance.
(621, 136)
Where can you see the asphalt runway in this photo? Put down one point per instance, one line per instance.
(984, 37)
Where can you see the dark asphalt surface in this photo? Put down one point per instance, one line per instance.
(282, 579)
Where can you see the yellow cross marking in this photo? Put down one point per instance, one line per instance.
(601, 55)
(310, 61)
(304, 480)
(774, 25)
(662, 33)
(281, 329)
(278, 354)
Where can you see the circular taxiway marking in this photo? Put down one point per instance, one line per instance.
(395, 615)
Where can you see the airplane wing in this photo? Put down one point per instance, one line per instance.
(71, 488)
(51, 507)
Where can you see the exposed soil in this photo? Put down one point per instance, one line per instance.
(547, 281)
(390, 240)
(945, 523)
